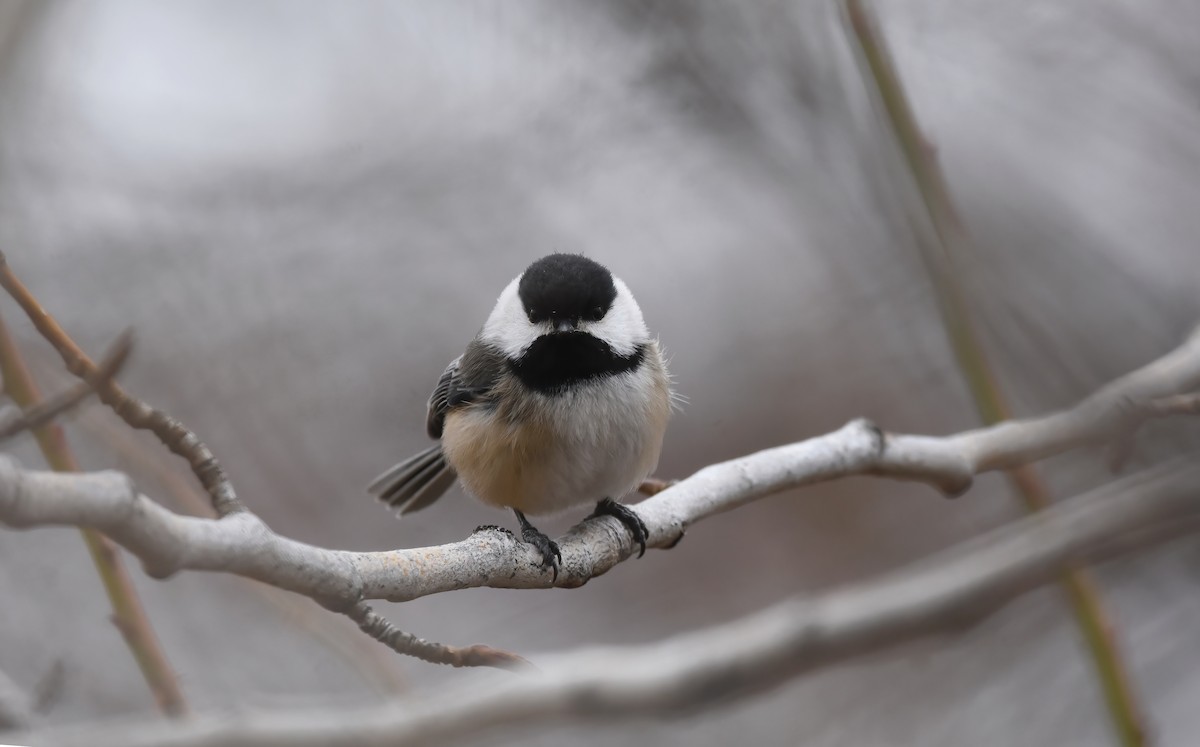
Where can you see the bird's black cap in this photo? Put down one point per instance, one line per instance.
(566, 287)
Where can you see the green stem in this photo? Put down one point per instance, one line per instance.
(128, 614)
(938, 257)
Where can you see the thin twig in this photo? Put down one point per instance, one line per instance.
(477, 655)
(1180, 404)
(939, 255)
(42, 413)
(138, 414)
(127, 607)
(710, 667)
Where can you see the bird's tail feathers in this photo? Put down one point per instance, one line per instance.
(416, 482)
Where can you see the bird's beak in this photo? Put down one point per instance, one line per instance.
(564, 325)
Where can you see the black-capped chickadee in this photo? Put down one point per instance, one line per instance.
(561, 399)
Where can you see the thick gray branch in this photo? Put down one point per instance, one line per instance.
(689, 671)
(241, 543)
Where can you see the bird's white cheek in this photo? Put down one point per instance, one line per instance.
(621, 333)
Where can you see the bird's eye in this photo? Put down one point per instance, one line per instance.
(596, 314)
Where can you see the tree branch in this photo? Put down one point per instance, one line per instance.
(241, 543)
(37, 415)
(128, 615)
(180, 440)
(939, 593)
(138, 414)
(398, 640)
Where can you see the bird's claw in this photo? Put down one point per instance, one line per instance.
(551, 556)
(628, 517)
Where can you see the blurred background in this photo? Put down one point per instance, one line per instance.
(306, 209)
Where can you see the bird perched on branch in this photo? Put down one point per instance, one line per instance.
(561, 399)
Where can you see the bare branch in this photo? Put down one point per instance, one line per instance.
(138, 414)
(477, 655)
(1115, 410)
(43, 412)
(940, 593)
(183, 442)
(127, 611)
(241, 543)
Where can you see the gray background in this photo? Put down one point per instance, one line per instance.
(306, 209)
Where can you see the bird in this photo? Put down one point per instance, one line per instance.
(562, 399)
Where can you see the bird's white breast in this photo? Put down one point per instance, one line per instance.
(541, 453)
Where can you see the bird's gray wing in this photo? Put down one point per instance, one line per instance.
(439, 401)
(421, 479)
(468, 379)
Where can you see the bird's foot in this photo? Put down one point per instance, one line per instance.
(628, 517)
(551, 556)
